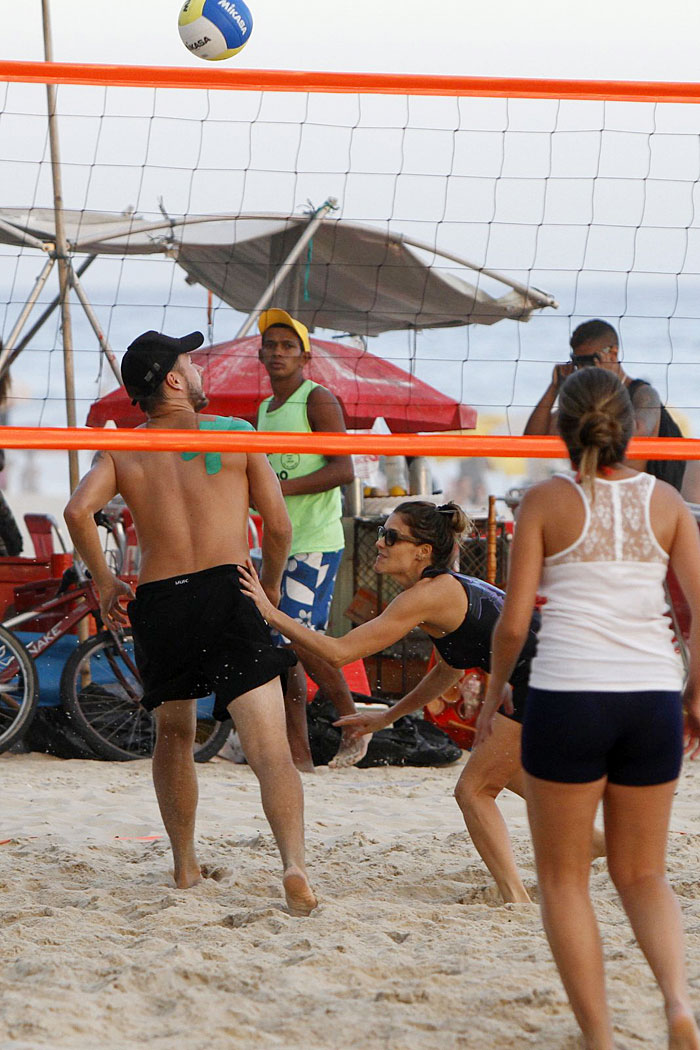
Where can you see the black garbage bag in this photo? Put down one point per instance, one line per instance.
(409, 742)
(52, 732)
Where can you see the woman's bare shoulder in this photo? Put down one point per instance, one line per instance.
(549, 491)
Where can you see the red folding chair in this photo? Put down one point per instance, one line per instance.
(43, 528)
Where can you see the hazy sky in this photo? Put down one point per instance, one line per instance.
(634, 39)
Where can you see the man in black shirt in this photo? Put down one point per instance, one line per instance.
(596, 344)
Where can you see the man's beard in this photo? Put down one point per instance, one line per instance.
(197, 398)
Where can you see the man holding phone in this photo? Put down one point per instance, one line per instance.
(595, 344)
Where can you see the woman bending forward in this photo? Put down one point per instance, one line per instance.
(415, 547)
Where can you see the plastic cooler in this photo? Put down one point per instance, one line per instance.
(15, 572)
(457, 710)
(35, 591)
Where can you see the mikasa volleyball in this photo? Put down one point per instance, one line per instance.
(214, 29)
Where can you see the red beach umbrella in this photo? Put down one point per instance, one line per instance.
(367, 387)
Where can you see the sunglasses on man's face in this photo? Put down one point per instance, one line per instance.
(588, 360)
(392, 536)
(584, 360)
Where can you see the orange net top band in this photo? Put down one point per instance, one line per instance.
(345, 83)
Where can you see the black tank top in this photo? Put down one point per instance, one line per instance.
(470, 644)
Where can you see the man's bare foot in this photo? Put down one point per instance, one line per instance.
(352, 750)
(301, 900)
(187, 876)
(682, 1030)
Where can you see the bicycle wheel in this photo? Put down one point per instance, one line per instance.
(19, 689)
(101, 691)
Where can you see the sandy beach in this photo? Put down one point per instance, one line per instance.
(410, 948)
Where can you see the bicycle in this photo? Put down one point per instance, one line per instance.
(100, 687)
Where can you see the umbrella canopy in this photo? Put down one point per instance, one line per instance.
(350, 278)
(366, 386)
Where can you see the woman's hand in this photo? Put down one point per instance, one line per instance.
(366, 722)
(251, 585)
(493, 700)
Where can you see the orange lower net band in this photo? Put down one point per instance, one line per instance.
(66, 438)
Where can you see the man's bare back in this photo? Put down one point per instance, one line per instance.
(186, 520)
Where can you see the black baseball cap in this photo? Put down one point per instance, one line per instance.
(150, 357)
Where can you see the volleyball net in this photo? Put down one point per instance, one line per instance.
(501, 214)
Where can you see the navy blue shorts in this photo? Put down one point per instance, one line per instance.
(632, 738)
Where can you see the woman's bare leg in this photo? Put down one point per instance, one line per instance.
(561, 820)
(494, 765)
(636, 828)
(295, 714)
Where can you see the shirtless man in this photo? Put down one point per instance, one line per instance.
(194, 631)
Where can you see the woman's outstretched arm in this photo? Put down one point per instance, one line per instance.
(437, 681)
(400, 616)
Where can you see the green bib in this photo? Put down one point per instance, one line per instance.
(212, 460)
(315, 516)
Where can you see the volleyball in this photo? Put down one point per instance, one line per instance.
(214, 29)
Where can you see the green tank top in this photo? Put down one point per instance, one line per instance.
(315, 516)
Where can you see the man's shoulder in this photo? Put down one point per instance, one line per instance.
(321, 397)
(224, 423)
(641, 392)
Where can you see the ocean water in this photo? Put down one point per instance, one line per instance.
(501, 370)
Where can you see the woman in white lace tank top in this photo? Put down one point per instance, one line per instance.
(603, 718)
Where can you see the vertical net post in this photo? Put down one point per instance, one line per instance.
(61, 252)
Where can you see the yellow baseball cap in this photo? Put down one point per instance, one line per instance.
(269, 317)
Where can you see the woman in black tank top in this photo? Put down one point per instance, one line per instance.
(416, 546)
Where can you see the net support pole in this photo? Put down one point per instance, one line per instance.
(44, 316)
(6, 354)
(61, 250)
(94, 323)
(22, 235)
(286, 267)
(491, 557)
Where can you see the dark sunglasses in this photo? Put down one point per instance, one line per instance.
(584, 360)
(391, 536)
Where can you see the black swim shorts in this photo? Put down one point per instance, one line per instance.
(634, 739)
(519, 696)
(198, 634)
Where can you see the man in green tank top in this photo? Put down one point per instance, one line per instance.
(311, 489)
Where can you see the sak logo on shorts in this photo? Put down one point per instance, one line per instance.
(290, 460)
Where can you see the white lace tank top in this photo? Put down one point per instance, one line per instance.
(605, 625)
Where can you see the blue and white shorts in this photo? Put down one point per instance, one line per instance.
(307, 587)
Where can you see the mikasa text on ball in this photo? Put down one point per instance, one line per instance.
(214, 29)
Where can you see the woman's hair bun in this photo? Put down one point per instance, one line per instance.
(599, 430)
(457, 520)
(596, 420)
(441, 527)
